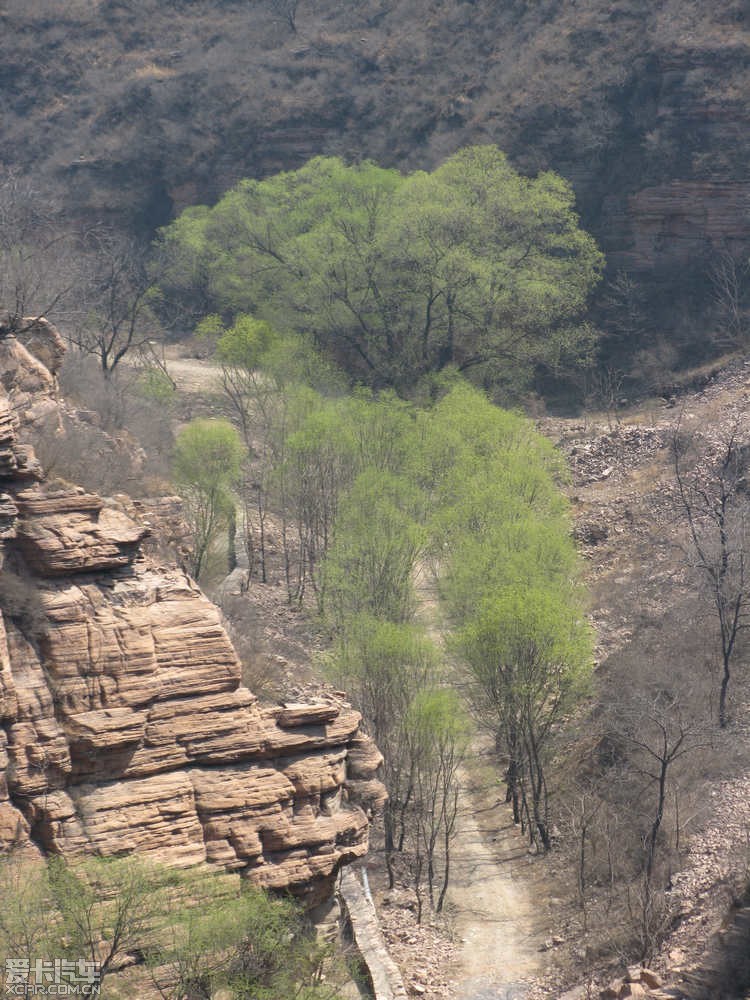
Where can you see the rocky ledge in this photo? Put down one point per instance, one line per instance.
(123, 723)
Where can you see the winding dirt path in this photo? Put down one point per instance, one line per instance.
(499, 927)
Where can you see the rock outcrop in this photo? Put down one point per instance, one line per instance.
(123, 723)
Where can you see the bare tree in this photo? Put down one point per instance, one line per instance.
(437, 741)
(713, 504)
(658, 734)
(730, 282)
(287, 10)
(258, 409)
(625, 316)
(581, 809)
(606, 390)
(38, 265)
(116, 316)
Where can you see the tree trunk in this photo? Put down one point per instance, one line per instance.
(723, 694)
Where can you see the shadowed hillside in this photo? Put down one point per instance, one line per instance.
(131, 111)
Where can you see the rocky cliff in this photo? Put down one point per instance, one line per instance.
(123, 723)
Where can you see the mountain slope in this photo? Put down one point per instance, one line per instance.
(128, 112)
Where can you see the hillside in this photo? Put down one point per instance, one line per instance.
(657, 632)
(129, 112)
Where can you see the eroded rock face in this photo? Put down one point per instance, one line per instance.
(43, 341)
(123, 722)
(678, 220)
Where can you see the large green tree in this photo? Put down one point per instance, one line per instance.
(472, 265)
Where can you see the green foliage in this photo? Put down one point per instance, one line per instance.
(384, 665)
(377, 542)
(500, 530)
(207, 462)
(485, 467)
(471, 267)
(208, 455)
(527, 648)
(369, 488)
(437, 717)
(529, 653)
(156, 386)
(199, 931)
(396, 677)
(527, 552)
(243, 941)
(384, 429)
(246, 343)
(118, 901)
(27, 918)
(183, 266)
(476, 490)
(380, 487)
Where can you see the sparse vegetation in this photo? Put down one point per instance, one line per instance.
(196, 931)
(116, 435)
(115, 317)
(714, 507)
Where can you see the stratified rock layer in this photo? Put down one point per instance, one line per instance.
(124, 725)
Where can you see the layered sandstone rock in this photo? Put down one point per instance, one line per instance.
(123, 723)
(678, 220)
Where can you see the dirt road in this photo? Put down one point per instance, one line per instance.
(194, 375)
(499, 925)
(496, 920)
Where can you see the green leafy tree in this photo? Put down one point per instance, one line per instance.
(384, 666)
(378, 540)
(207, 463)
(182, 264)
(471, 266)
(529, 653)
